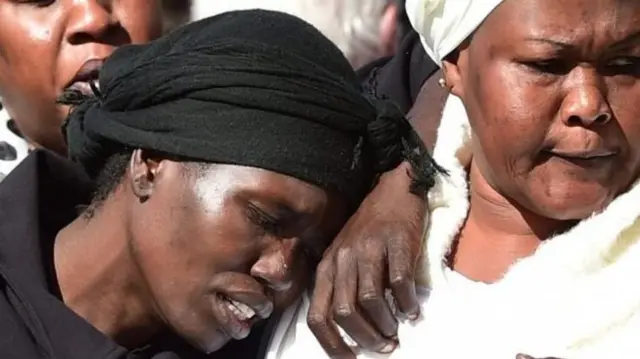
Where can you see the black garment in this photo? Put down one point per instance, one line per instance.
(41, 196)
(254, 88)
(401, 76)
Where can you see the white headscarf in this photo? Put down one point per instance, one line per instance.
(444, 24)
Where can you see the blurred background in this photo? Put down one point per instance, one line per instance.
(364, 30)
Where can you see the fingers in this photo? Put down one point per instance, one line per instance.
(319, 318)
(371, 290)
(346, 312)
(403, 254)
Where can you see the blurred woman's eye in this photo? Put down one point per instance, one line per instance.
(629, 65)
(547, 66)
(264, 221)
(38, 3)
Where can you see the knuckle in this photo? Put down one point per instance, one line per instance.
(316, 323)
(323, 268)
(344, 312)
(399, 279)
(344, 253)
(401, 243)
(369, 299)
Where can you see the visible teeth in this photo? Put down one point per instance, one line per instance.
(241, 310)
(96, 83)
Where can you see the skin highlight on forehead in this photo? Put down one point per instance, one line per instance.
(211, 185)
(284, 193)
(594, 22)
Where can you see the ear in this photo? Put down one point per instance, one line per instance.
(143, 171)
(454, 68)
(389, 30)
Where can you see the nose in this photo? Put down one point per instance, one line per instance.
(92, 21)
(585, 103)
(274, 267)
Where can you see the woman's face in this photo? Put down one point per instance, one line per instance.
(552, 89)
(45, 45)
(221, 248)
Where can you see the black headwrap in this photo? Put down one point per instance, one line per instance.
(254, 88)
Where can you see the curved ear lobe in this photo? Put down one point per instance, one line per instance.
(453, 67)
(142, 171)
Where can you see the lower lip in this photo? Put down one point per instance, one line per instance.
(83, 87)
(591, 162)
(234, 327)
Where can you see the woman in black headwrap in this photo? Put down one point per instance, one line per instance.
(226, 156)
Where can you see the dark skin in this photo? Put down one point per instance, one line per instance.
(43, 44)
(384, 234)
(577, 96)
(377, 249)
(174, 243)
(567, 93)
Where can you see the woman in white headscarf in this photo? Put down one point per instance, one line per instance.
(534, 236)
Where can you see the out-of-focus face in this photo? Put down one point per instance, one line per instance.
(49, 45)
(552, 91)
(221, 248)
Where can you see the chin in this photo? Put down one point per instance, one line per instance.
(211, 344)
(204, 336)
(575, 208)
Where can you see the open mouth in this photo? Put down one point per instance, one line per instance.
(86, 79)
(87, 85)
(241, 317)
(242, 311)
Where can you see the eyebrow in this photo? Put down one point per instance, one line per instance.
(633, 37)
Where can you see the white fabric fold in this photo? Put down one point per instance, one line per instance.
(444, 24)
(577, 297)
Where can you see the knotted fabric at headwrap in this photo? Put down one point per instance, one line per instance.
(253, 88)
(444, 24)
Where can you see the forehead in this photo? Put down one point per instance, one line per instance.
(592, 22)
(222, 181)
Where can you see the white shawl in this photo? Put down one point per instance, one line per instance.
(576, 297)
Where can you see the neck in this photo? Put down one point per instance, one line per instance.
(497, 233)
(99, 281)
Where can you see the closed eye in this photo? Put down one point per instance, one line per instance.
(263, 220)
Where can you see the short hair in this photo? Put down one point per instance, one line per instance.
(109, 178)
(115, 168)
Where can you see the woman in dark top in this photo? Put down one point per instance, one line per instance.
(47, 46)
(202, 224)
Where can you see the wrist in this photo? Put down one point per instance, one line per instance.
(399, 176)
(396, 186)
